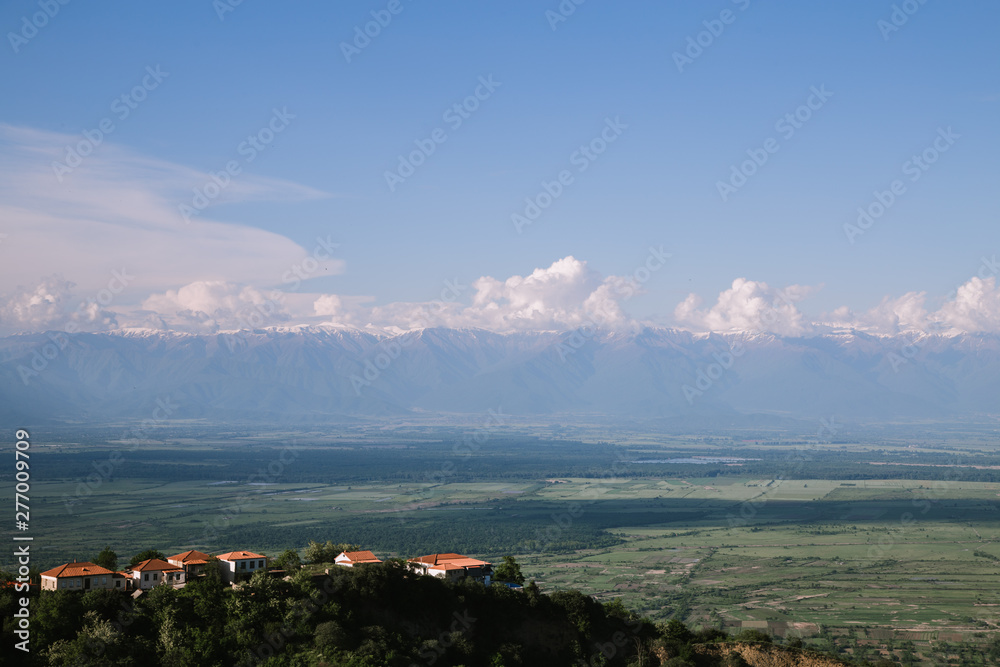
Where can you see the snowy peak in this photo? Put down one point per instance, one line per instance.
(326, 373)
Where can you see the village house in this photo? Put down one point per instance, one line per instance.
(237, 565)
(82, 577)
(153, 572)
(192, 562)
(453, 567)
(352, 558)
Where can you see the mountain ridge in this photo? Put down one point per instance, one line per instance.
(331, 374)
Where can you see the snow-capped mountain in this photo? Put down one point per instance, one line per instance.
(333, 374)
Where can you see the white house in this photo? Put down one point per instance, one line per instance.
(352, 558)
(453, 567)
(154, 572)
(192, 562)
(238, 565)
(80, 577)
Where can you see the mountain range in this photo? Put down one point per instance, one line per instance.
(321, 374)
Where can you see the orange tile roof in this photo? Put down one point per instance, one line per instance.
(85, 569)
(239, 555)
(467, 562)
(191, 557)
(155, 565)
(361, 557)
(455, 559)
(445, 565)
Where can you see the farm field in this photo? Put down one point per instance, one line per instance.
(858, 564)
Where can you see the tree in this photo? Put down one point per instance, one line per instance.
(145, 555)
(753, 635)
(107, 558)
(213, 572)
(317, 552)
(675, 632)
(289, 561)
(509, 570)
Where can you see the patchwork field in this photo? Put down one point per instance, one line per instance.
(858, 565)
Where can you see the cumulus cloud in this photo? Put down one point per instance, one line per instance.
(748, 305)
(905, 313)
(52, 305)
(328, 305)
(975, 308)
(565, 295)
(213, 305)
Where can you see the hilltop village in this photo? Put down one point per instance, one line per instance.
(237, 566)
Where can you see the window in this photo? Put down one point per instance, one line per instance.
(243, 565)
(104, 580)
(118, 584)
(155, 575)
(145, 577)
(252, 563)
(260, 563)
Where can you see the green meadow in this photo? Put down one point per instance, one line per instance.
(839, 553)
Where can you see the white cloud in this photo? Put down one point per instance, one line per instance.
(748, 305)
(565, 295)
(976, 307)
(907, 313)
(328, 305)
(51, 305)
(211, 305)
(119, 210)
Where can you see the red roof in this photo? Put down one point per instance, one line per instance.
(85, 569)
(239, 555)
(438, 560)
(360, 557)
(445, 565)
(191, 557)
(155, 565)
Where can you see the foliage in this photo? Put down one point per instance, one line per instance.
(145, 555)
(107, 558)
(328, 552)
(509, 571)
(288, 560)
(378, 615)
(752, 635)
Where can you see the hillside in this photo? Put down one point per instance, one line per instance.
(369, 616)
(763, 655)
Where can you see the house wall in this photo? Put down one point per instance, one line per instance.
(78, 583)
(243, 567)
(146, 580)
(189, 569)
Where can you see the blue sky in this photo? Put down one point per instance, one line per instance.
(894, 92)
